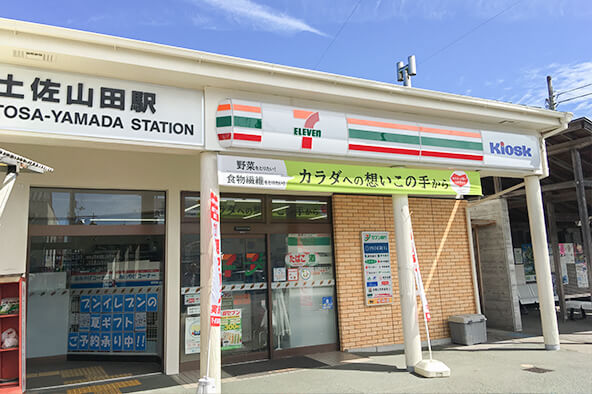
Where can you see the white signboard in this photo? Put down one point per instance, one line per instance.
(110, 109)
(273, 127)
(376, 256)
(192, 335)
(505, 150)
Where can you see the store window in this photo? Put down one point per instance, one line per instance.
(302, 290)
(96, 271)
(284, 255)
(299, 210)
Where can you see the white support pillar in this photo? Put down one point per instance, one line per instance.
(172, 281)
(536, 218)
(210, 336)
(407, 291)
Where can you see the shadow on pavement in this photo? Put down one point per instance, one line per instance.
(272, 365)
(366, 367)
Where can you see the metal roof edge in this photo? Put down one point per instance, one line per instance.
(16, 27)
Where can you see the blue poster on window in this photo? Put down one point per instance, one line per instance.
(94, 341)
(128, 341)
(95, 322)
(118, 303)
(117, 323)
(140, 341)
(116, 341)
(128, 322)
(73, 341)
(105, 342)
(84, 304)
(84, 321)
(140, 302)
(107, 303)
(95, 303)
(83, 341)
(327, 303)
(105, 322)
(152, 302)
(128, 302)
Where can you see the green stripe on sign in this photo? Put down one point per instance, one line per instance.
(386, 137)
(241, 121)
(292, 241)
(478, 146)
(223, 121)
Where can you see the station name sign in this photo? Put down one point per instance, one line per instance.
(261, 173)
(79, 105)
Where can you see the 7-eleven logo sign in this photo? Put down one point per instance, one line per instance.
(308, 132)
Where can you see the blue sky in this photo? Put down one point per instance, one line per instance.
(495, 49)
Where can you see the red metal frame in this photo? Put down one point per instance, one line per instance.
(11, 360)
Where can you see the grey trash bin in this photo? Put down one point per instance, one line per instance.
(468, 329)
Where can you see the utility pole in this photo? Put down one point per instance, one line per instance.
(551, 99)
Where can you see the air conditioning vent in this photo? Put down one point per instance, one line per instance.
(33, 55)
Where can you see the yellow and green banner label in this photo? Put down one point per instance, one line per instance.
(343, 178)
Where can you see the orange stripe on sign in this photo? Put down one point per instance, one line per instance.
(450, 132)
(300, 114)
(239, 107)
(246, 108)
(386, 125)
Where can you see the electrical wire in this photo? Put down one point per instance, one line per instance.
(573, 98)
(337, 34)
(428, 58)
(571, 90)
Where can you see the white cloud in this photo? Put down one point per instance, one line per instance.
(259, 16)
(533, 86)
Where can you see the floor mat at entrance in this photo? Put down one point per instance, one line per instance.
(272, 365)
(48, 373)
(133, 384)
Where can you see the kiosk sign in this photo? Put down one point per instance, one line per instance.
(376, 256)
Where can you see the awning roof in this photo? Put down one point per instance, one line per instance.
(12, 159)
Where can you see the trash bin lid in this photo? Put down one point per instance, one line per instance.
(467, 318)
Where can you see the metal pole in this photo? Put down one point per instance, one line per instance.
(412, 340)
(406, 78)
(473, 261)
(6, 188)
(583, 211)
(540, 249)
(551, 99)
(210, 336)
(556, 258)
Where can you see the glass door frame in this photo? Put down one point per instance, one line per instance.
(265, 227)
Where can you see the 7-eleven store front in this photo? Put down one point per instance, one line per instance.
(305, 169)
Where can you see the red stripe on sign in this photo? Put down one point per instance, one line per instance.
(452, 155)
(306, 142)
(224, 136)
(247, 137)
(383, 149)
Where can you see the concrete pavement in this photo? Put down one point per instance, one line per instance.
(509, 362)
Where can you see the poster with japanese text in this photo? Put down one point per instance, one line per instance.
(192, 334)
(528, 261)
(231, 329)
(581, 266)
(376, 260)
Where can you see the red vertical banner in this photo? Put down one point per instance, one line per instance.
(418, 281)
(216, 294)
